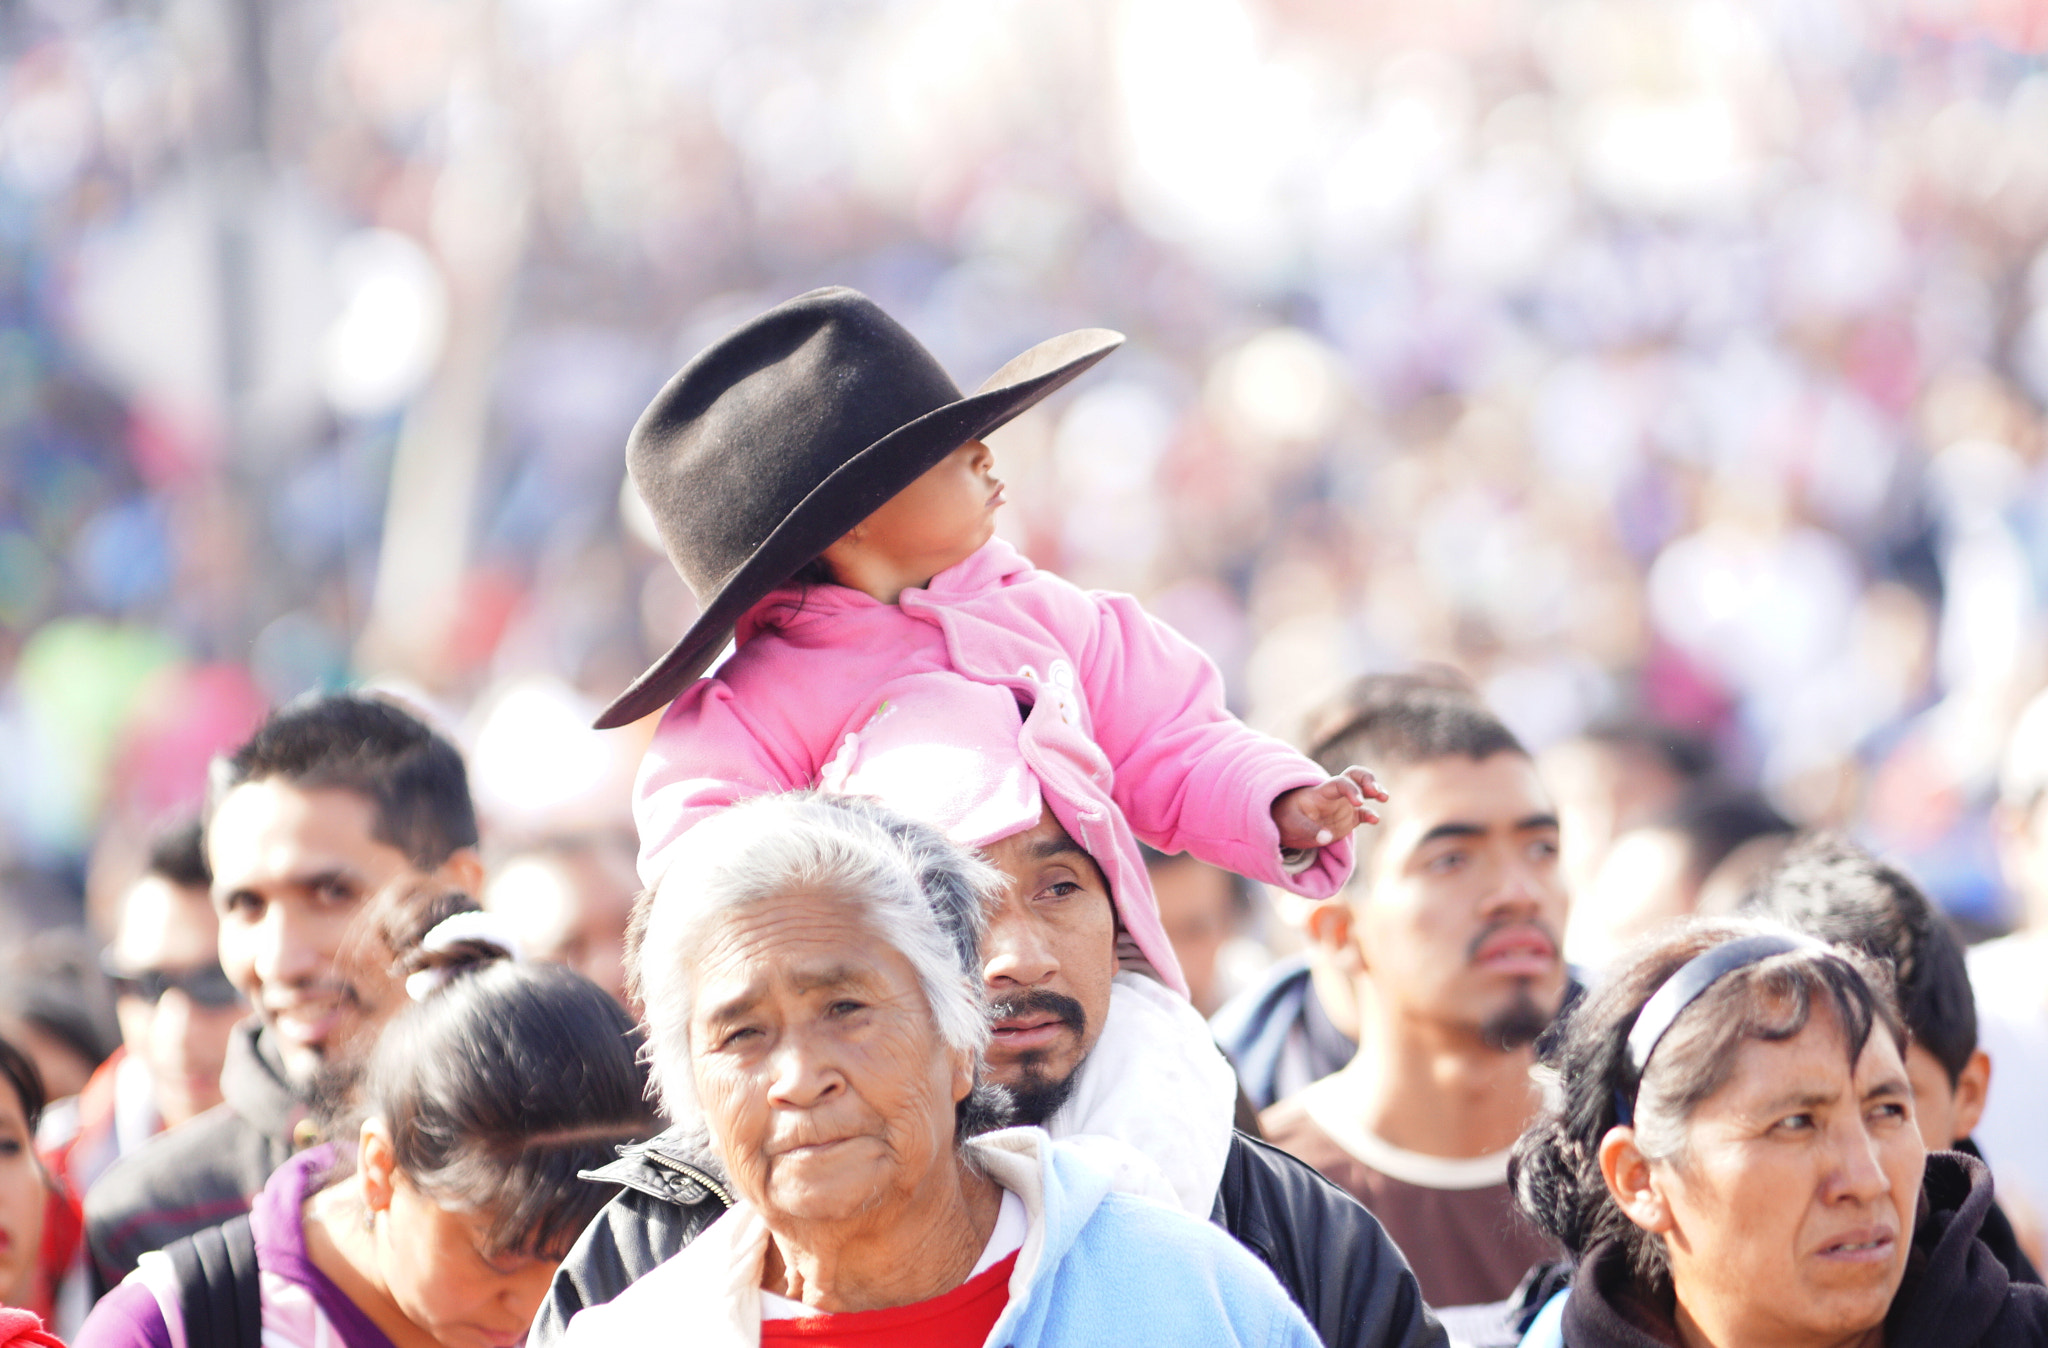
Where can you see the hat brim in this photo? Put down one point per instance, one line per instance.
(854, 491)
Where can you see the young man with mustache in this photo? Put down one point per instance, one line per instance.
(1451, 929)
(333, 801)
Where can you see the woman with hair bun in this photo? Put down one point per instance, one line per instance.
(1730, 1155)
(436, 1214)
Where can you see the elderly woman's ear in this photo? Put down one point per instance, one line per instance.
(1635, 1189)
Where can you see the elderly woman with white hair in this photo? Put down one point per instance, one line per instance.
(810, 969)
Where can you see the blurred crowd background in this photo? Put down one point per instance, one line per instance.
(1654, 361)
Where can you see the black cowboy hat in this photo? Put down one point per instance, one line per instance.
(777, 440)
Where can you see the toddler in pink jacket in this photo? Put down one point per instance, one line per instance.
(823, 487)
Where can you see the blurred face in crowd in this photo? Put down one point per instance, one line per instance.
(1198, 908)
(1457, 913)
(931, 524)
(294, 869)
(570, 907)
(1047, 964)
(1789, 1214)
(175, 1003)
(437, 1265)
(818, 1064)
(1947, 1110)
(2022, 832)
(21, 1201)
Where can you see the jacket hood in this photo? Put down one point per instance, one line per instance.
(718, 1274)
(795, 606)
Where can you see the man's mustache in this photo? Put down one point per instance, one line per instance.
(1039, 1003)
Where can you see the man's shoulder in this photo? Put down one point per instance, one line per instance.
(1289, 1128)
(194, 1175)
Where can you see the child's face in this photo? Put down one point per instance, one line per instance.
(937, 520)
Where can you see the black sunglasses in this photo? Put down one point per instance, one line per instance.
(208, 987)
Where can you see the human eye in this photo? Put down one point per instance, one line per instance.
(1890, 1111)
(243, 905)
(845, 1006)
(736, 1036)
(336, 890)
(1449, 863)
(1544, 849)
(1793, 1124)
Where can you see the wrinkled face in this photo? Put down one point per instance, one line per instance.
(1459, 914)
(827, 1088)
(434, 1265)
(570, 909)
(21, 1202)
(175, 1005)
(1792, 1210)
(940, 518)
(293, 871)
(1047, 964)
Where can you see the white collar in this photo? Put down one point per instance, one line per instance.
(1156, 1082)
(1328, 1107)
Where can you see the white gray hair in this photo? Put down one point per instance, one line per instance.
(927, 897)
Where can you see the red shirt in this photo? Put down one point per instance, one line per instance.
(962, 1318)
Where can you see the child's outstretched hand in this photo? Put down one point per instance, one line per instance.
(1316, 816)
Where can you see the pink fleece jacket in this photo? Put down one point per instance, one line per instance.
(1127, 735)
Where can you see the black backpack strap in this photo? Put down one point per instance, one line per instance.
(217, 1286)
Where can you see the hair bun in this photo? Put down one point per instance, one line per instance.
(455, 946)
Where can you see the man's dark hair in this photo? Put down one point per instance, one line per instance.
(1397, 720)
(179, 856)
(1685, 756)
(1717, 822)
(375, 748)
(1836, 890)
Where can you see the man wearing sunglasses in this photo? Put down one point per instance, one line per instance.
(177, 1010)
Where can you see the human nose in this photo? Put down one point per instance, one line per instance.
(1859, 1174)
(172, 1025)
(802, 1072)
(983, 459)
(1516, 891)
(1019, 955)
(287, 952)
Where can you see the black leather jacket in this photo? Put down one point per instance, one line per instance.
(1328, 1252)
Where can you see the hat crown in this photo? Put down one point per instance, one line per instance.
(757, 420)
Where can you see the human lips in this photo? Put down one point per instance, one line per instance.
(306, 1023)
(997, 498)
(1861, 1245)
(1520, 950)
(1031, 1029)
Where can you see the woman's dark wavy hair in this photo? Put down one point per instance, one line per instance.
(1555, 1168)
(498, 1088)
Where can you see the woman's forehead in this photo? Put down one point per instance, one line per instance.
(1810, 1067)
(804, 942)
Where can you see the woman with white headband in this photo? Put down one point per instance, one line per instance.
(435, 1216)
(1729, 1154)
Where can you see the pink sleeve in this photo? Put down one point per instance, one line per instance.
(706, 754)
(1189, 775)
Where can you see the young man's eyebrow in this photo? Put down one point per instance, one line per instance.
(1531, 823)
(1452, 830)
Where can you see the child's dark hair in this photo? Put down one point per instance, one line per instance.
(1829, 886)
(499, 1088)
